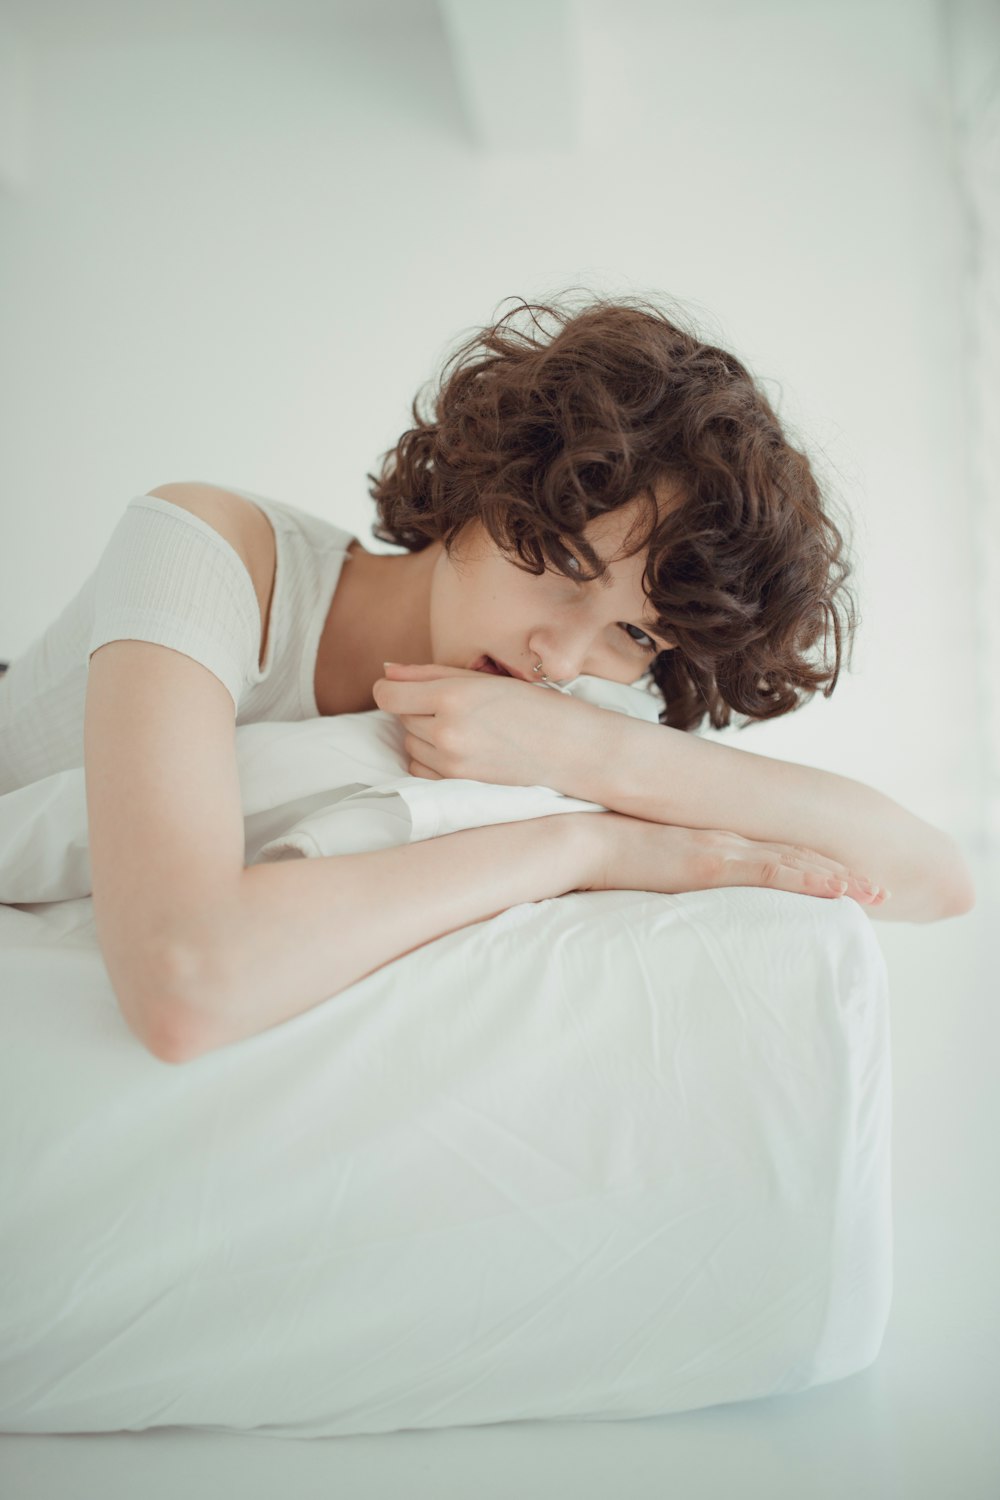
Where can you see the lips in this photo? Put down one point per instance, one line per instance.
(496, 668)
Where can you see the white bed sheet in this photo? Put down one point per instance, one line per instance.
(606, 1156)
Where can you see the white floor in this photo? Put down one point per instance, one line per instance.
(921, 1424)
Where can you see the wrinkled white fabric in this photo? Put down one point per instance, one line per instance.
(610, 1155)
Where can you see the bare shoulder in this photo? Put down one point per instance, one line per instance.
(243, 525)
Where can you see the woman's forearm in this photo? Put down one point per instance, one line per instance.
(296, 932)
(668, 776)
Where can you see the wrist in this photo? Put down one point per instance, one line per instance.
(587, 843)
(600, 749)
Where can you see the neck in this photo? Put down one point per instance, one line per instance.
(380, 612)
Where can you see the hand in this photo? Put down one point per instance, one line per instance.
(631, 854)
(479, 727)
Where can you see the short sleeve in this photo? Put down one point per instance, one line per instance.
(168, 577)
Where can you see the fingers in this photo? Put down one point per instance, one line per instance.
(419, 754)
(410, 697)
(858, 886)
(416, 769)
(793, 868)
(422, 671)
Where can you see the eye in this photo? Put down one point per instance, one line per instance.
(645, 643)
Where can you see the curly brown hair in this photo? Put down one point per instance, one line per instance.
(534, 437)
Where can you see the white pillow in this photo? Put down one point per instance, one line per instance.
(293, 776)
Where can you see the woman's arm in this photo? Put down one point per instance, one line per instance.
(668, 776)
(486, 729)
(290, 935)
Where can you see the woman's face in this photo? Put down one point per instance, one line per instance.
(482, 605)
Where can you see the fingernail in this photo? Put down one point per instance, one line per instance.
(387, 664)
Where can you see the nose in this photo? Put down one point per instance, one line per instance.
(562, 660)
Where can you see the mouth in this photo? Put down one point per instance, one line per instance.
(496, 668)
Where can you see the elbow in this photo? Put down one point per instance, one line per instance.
(164, 1031)
(964, 898)
(172, 1039)
(959, 886)
(163, 1017)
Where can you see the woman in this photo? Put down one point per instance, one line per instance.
(615, 499)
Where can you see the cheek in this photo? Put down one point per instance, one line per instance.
(501, 600)
(467, 609)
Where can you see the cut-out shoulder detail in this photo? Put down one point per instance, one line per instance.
(243, 525)
(187, 579)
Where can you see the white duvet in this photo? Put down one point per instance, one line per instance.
(611, 1155)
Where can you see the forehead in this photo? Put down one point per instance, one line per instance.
(622, 534)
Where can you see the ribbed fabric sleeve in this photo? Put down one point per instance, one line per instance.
(168, 577)
(178, 585)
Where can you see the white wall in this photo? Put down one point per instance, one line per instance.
(232, 248)
(972, 55)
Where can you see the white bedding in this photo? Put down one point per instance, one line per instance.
(612, 1155)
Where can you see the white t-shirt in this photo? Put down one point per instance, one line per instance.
(168, 577)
